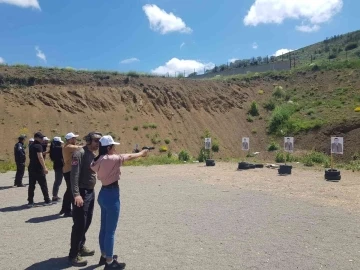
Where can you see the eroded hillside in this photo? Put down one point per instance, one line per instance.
(58, 101)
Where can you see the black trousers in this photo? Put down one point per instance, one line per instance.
(41, 179)
(68, 197)
(82, 217)
(20, 170)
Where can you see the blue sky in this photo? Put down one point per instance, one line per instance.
(163, 35)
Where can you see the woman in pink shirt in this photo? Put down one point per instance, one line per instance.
(107, 166)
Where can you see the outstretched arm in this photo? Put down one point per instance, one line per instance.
(142, 153)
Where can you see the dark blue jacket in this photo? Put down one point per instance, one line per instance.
(19, 153)
(56, 155)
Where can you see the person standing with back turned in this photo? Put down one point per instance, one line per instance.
(67, 151)
(83, 181)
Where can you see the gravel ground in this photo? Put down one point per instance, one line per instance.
(196, 217)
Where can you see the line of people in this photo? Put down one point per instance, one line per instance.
(80, 169)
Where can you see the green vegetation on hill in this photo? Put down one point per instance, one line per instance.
(335, 48)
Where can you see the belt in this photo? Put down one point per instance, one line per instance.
(112, 185)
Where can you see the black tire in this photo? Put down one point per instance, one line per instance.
(243, 166)
(210, 162)
(285, 169)
(333, 178)
(332, 172)
(259, 165)
(251, 166)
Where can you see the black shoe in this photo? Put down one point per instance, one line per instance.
(102, 260)
(78, 261)
(62, 212)
(21, 185)
(56, 199)
(114, 265)
(69, 214)
(86, 252)
(30, 205)
(48, 203)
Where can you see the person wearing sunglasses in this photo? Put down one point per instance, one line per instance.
(83, 181)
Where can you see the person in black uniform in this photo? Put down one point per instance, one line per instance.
(20, 159)
(37, 170)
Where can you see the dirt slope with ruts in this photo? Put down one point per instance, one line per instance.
(58, 101)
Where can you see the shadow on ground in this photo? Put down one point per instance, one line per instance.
(8, 187)
(53, 263)
(43, 219)
(19, 208)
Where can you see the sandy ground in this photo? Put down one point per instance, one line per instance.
(196, 217)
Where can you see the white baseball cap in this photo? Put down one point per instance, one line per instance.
(31, 140)
(46, 139)
(70, 136)
(58, 139)
(107, 140)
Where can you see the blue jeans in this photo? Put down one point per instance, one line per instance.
(109, 201)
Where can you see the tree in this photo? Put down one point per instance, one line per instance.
(259, 59)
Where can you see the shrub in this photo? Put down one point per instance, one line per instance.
(136, 128)
(270, 105)
(280, 157)
(152, 125)
(315, 158)
(249, 119)
(254, 131)
(254, 111)
(350, 46)
(279, 92)
(261, 92)
(133, 74)
(273, 147)
(215, 147)
(145, 126)
(163, 149)
(184, 155)
(169, 154)
(203, 155)
(332, 56)
(280, 118)
(167, 141)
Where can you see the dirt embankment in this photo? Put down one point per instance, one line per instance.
(58, 101)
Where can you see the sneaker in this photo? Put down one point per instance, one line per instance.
(78, 261)
(114, 265)
(69, 214)
(56, 199)
(48, 203)
(30, 205)
(86, 252)
(62, 212)
(102, 260)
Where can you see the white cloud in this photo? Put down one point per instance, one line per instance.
(129, 61)
(308, 28)
(179, 65)
(313, 12)
(232, 60)
(255, 46)
(2, 61)
(182, 45)
(163, 22)
(282, 51)
(23, 3)
(40, 54)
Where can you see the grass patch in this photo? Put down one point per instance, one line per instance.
(136, 128)
(154, 160)
(167, 141)
(314, 157)
(273, 147)
(7, 166)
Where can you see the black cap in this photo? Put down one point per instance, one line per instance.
(39, 135)
(22, 137)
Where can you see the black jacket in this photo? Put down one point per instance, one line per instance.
(19, 153)
(56, 155)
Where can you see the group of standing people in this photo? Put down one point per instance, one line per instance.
(80, 167)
